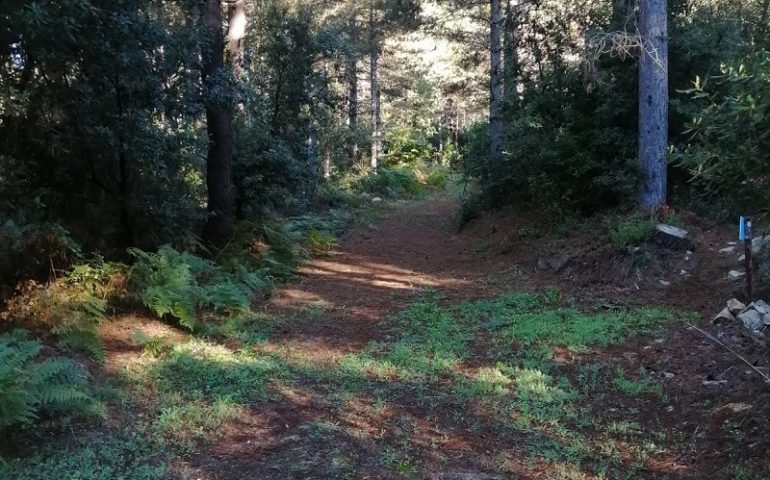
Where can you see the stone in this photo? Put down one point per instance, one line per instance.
(735, 306)
(376, 199)
(665, 283)
(724, 317)
(669, 236)
(751, 319)
(757, 245)
(742, 258)
(735, 275)
(728, 250)
(766, 320)
(737, 407)
(760, 306)
(668, 375)
(712, 383)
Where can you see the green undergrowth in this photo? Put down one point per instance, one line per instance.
(524, 367)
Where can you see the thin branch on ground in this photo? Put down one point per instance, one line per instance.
(719, 342)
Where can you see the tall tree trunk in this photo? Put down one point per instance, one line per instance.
(496, 95)
(510, 61)
(374, 78)
(221, 198)
(653, 102)
(327, 162)
(352, 77)
(236, 36)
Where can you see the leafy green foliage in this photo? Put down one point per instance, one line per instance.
(28, 386)
(72, 306)
(181, 285)
(725, 162)
(93, 456)
(633, 232)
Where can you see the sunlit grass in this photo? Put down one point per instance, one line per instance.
(490, 364)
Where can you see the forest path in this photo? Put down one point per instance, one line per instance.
(378, 269)
(399, 356)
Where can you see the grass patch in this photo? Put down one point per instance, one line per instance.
(93, 456)
(633, 232)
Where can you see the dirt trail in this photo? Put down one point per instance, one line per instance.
(376, 270)
(312, 428)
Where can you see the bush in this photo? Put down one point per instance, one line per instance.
(73, 306)
(32, 250)
(183, 285)
(55, 385)
(729, 154)
(633, 232)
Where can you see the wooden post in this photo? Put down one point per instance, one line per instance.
(749, 264)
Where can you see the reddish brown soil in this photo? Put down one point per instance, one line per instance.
(378, 270)
(339, 304)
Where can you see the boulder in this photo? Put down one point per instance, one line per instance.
(760, 306)
(735, 275)
(669, 236)
(758, 244)
(751, 319)
(735, 306)
(724, 317)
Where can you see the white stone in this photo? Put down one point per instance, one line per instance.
(735, 275)
(751, 319)
(665, 283)
(723, 316)
(728, 250)
(760, 306)
(735, 306)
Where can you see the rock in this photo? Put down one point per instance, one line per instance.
(668, 375)
(376, 199)
(735, 306)
(742, 258)
(751, 319)
(712, 383)
(728, 250)
(724, 317)
(735, 275)
(758, 244)
(766, 320)
(760, 306)
(669, 236)
(665, 283)
(737, 407)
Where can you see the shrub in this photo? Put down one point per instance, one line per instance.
(728, 163)
(33, 250)
(182, 285)
(27, 387)
(633, 232)
(72, 306)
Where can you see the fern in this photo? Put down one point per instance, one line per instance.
(182, 285)
(27, 387)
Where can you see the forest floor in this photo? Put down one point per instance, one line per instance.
(414, 351)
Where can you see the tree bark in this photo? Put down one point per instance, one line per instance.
(221, 198)
(496, 92)
(236, 35)
(653, 102)
(352, 74)
(374, 78)
(510, 61)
